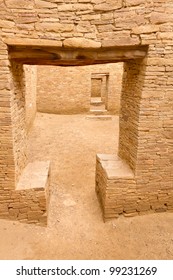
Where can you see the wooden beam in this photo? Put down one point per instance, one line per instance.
(41, 55)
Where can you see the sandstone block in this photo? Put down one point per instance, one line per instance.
(168, 133)
(165, 35)
(22, 216)
(32, 42)
(25, 18)
(81, 43)
(16, 4)
(159, 18)
(145, 29)
(54, 27)
(108, 6)
(121, 41)
(45, 4)
(66, 8)
(130, 3)
(83, 7)
(6, 24)
(34, 215)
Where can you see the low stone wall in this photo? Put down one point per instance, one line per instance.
(29, 202)
(118, 192)
(67, 90)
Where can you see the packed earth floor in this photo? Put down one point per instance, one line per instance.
(75, 227)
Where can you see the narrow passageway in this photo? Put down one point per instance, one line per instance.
(71, 143)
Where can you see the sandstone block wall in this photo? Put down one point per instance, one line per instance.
(25, 206)
(146, 117)
(30, 94)
(65, 90)
(19, 129)
(119, 193)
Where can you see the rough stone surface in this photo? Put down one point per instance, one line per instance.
(146, 102)
(59, 90)
(81, 43)
(30, 94)
(29, 202)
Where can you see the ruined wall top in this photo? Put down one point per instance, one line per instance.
(103, 23)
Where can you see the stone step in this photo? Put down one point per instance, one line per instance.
(96, 102)
(98, 111)
(102, 118)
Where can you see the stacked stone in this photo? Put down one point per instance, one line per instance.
(60, 92)
(30, 94)
(29, 201)
(146, 124)
(7, 165)
(118, 192)
(115, 187)
(25, 206)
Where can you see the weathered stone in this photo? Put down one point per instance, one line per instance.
(145, 29)
(66, 8)
(23, 18)
(45, 4)
(159, 18)
(32, 42)
(6, 24)
(121, 41)
(130, 3)
(145, 140)
(15, 4)
(80, 43)
(54, 27)
(109, 5)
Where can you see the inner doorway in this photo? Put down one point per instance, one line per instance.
(99, 91)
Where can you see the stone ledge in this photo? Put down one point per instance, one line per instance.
(114, 167)
(32, 42)
(35, 175)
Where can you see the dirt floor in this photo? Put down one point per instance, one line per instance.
(75, 227)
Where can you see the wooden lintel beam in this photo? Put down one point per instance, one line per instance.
(66, 57)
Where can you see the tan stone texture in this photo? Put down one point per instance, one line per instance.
(30, 94)
(59, 90)
(146, 116)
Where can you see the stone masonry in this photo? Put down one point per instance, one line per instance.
(30, 94)
(84, 32)
(59, 90)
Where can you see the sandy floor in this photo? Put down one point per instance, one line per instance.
(75, 228)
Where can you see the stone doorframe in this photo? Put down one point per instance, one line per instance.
(125, 183)
(104, 86)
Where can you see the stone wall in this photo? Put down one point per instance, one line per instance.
(18, 118)
(30, 94)
(25, 205)
(144, 144)
(29, 201)
(66, 90)
(94, 25)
